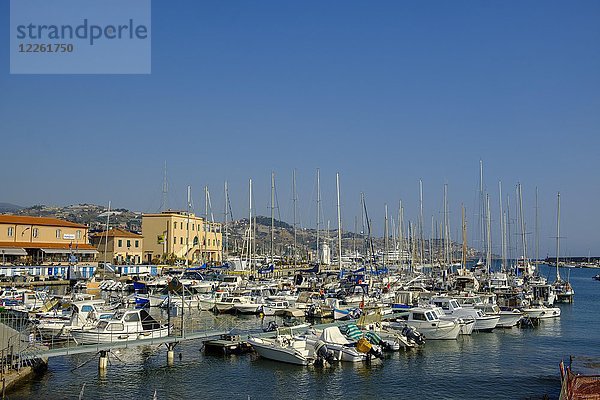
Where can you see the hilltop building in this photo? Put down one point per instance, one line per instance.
(40, 240)
(181, 235)
(122, 247)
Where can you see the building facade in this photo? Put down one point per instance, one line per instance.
(39, 240)
(182, 236)
(118, 246)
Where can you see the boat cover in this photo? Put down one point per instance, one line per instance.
(333, 335)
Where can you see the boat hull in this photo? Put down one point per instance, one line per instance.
(272, 351)
(93, 336)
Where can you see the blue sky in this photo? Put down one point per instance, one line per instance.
(386, 93)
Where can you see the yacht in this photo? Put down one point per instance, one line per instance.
(427, 322)
(123, 326)
(450, 306)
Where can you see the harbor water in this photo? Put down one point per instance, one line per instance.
(505, 364)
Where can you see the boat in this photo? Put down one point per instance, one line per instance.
(541, 312)
(284, 348)
(427, 322)
(343, 349)
(123, 326)
(483, 322)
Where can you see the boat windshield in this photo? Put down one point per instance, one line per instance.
(431, 316)
(454, 304)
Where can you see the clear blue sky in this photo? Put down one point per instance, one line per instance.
(385, 92)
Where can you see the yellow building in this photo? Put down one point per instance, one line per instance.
(122, 247)
(39, 239)
(177, 234)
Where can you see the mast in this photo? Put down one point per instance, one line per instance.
(502, 231)
(488, 234)
(421, 222)
(187, 238)
(106, 236)
(481, 206)
(250, 249)
(294, 201)
(339, 215)
(463, 260)
(524, 242)
(537, 227)
(401, 232)
(272, 216)
(165, 190)
(226, 247)
(318, 212)
(385, 235)
(558, 237)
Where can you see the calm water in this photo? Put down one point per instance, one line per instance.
(505, 364)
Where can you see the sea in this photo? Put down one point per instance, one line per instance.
(517, 363)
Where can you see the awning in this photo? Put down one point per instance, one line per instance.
(69, 251)
(11, 251)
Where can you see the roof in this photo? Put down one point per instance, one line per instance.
(116, 232)
(46, 245)
(42, 221)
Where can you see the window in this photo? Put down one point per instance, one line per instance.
(78, 235)
(174, 240)
(115, 327)
(11, 231)
(187, 226)
(193, 227)
(120, 243)
(128, 243)
(137, 243)
(419, 317)
(174, 225)
(181, 240)
(35, 232)
(132, 317)
(195, 240)
(58, 233)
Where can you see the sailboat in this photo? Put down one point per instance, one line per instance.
(564, 290)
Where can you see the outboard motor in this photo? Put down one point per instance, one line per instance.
(323, 354)
(414, 335)
(364, 346)
(271, 327)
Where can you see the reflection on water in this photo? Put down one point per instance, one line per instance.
(505, 364)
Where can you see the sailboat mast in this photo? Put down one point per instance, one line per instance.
(226, 247)
(294, 201)
(250, 248)
(558, 237)
(385, 235)
(339, 215)
(421, 222)
(187, 238)
(502, 232)
(537, 228)
(464, 242)
(272, 216)
(318, 212)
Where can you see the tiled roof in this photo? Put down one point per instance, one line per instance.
(41, 221)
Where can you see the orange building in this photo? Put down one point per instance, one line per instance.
(38, 240)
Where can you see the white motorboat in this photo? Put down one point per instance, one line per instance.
(428, 323)
(508, 318)
(284, 348)
(123, 326)
(79, 315)
(275, 307)
(450, 306)
(541, 312)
